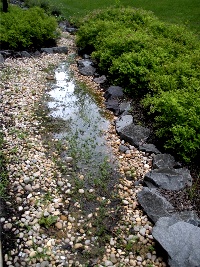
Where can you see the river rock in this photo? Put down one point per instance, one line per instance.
(181, 240)
(155, 205)
(122, 122)
(134, 134)
(168, 178)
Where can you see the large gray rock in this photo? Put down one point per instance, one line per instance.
(25, 54)
(87, 71)
(100, 80)
(82, 63)
(134, 134)
(51, 50)
(164, 161)
(114, 92)
(124, 108)
(112, 105)
(181, 240)
(149, 148)
(1, 59)
(155, 205)
(168, 178)
(122, 122)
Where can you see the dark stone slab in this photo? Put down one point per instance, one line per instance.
(60, 49)
(122, 122)
(155, 205)
(82, 63)
(1, 59)
(87, 71)
(114, 92)
(48, 50)
(25, 54)
(164, 161)
(168, 178)
(51, 50)
(113, 105)
(124, 108)
(181, 240)
(134, 134)
(100, 80)
(149, 148)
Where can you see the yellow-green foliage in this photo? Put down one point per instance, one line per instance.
(22, 29)
(158, 62)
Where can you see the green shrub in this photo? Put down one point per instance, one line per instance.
(45, 5)
(22, 29)
(177, 121)
(158, 62)
(139, 52)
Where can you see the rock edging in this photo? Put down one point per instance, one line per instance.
(177, 232)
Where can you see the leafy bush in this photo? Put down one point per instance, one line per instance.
(45, 5)
(22, 29)
(177, 121)
(158, 62)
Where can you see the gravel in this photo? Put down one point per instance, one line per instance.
(33, 196)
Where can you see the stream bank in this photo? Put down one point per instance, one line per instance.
(48, 226)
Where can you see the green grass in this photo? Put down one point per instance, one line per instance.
(180, 11)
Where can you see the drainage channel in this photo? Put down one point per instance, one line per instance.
(85, 159)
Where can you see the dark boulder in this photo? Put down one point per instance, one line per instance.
(100, 80)
(114, 92)
(1, 59)
(155, 205)
(168, 178)
(112, 105)
(122, 122)
(164, 161)
(134, 134)
(180, 239)
(149, 148)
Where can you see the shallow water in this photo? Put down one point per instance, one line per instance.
(85, 123)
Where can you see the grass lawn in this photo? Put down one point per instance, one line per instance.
(179, 11)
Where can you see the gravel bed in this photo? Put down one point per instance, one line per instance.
(33, 195)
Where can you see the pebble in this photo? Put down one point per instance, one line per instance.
(35, 180)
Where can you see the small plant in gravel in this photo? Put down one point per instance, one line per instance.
(48, 221)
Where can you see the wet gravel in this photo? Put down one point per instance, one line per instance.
(38, 226)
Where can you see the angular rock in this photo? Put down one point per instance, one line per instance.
(51, 50)
(82, 63)
(1, 59)
(164, 161)
(114, 92)
(113, 105)
(48, 50)
(25, 54)
(87, 71)
(181, 240)
(122, 122)
(149, 148)
(124, 108)
(60, 49)
(134, 134)
(155, 205)
(100, 80)
(168, 178)
(123, 148)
